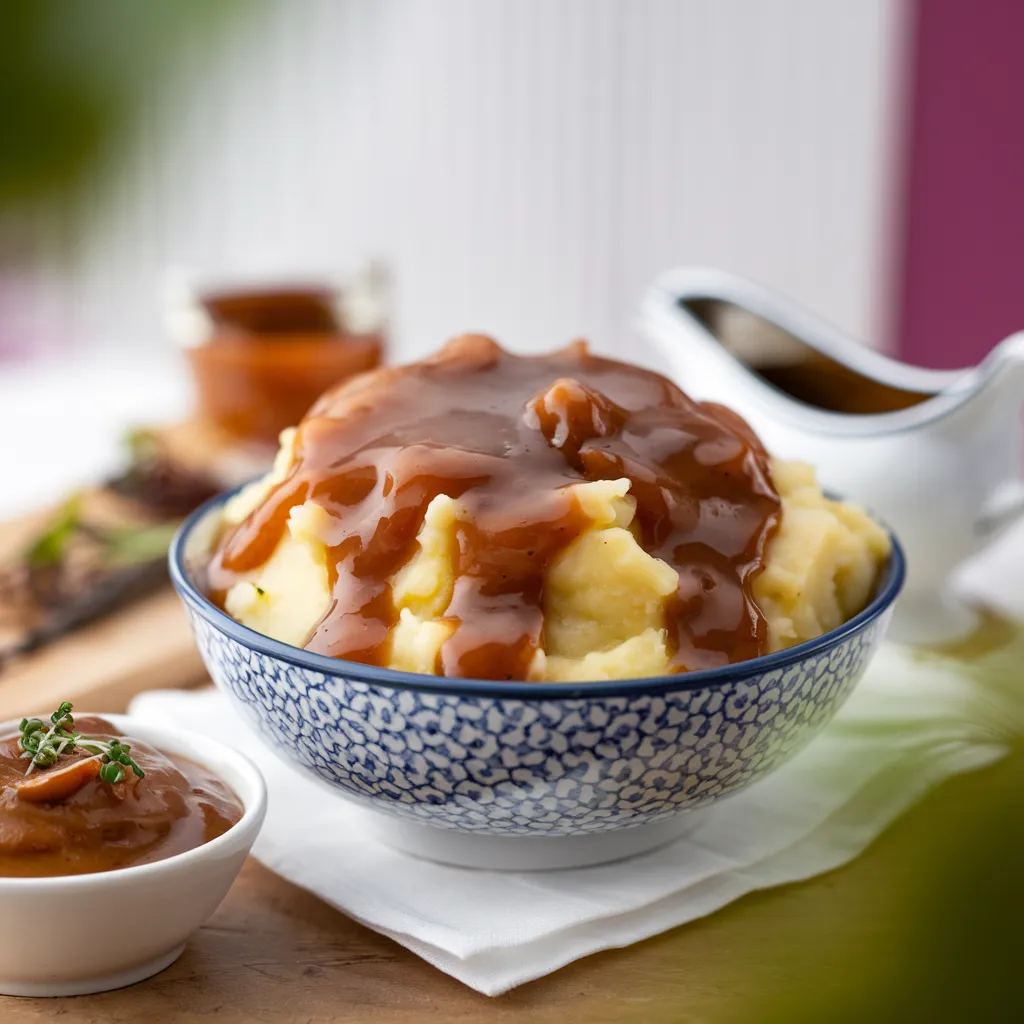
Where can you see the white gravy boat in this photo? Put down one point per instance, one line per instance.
(942, 468)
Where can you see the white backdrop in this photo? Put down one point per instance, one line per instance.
(525, 166)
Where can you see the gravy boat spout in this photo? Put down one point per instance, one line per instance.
(936, 454)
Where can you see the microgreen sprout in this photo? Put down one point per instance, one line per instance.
(42, 745)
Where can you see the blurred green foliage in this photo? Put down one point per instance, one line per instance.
(953, 949)
(71, 72)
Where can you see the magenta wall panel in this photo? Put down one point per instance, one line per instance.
(962, 286)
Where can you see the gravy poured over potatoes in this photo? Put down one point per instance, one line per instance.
(562, 518)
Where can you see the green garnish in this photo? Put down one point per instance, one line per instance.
(142, 444)
(50, 546)
(41, 746)
(120, 546)
(130, 545)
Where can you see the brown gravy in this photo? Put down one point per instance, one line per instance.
(795, 368)
(95, 827)
(828, 385)
(507, 435)
(272, 311)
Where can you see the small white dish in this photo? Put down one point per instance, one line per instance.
(116, 928)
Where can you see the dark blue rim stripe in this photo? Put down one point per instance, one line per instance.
(888, 589)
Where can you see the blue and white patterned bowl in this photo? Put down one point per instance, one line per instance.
(486, 759)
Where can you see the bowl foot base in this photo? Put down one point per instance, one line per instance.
(89, 986)
(522, 853)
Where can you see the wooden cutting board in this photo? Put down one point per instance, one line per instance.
(100, 667)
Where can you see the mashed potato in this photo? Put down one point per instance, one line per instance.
(604, 596)
(823, 564)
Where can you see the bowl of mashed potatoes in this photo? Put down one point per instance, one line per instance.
(527, 610)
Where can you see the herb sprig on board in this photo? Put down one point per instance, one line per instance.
(41, 744)
(104, 548)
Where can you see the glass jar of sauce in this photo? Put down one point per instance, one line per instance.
(264, 355)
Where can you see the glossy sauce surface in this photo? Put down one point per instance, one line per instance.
(826, 384)
(507, 436)
(96, 826)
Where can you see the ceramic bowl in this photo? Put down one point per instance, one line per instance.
(512, 774)
(118, 927)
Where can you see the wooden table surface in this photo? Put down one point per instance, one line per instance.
(931, 913)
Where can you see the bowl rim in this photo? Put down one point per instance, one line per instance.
(889, 587)
(168, 741)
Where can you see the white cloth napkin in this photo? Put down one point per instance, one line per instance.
(911, 722)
